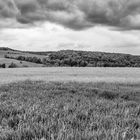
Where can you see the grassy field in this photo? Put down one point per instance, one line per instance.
(87, 74)
(36, 110)
(18, 63)
(15, 53)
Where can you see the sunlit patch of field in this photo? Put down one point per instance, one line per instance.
(121, 75)
(35, 110)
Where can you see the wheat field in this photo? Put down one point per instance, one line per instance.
(36, 110)
(87, 74)
(70, 104)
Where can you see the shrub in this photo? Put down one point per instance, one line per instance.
(108, 95)
(13, 65)
(2, 65)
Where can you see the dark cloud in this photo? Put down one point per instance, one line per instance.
(7, 9)
(74, 14)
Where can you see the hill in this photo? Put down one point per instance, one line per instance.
(71, 58)
(93, 59)
(4, 51)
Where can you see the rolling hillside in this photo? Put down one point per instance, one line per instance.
(14, 53)
(67, 58)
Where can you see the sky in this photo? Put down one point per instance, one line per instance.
(89, 25)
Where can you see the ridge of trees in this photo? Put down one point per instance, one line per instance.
(82, 59)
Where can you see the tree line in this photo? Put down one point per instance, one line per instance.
(83, 59)
(3, 65)
(26, 58)
(92, 59)
(11, 65)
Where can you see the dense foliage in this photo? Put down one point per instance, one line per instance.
(25, 58)
(2, 66)
(13, 65)
(69, 111)
(83, 59)
(93, 59)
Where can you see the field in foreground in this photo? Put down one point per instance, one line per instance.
(35, 110)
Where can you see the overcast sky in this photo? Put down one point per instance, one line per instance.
(94, 25)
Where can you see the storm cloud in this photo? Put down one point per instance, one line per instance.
(73, 14)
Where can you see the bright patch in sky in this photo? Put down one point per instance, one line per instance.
(91, 25)
(51, 37)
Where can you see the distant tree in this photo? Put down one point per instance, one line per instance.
(13, 65)
(83, 63)
(3, 65)
(22, 58)
(44, 61)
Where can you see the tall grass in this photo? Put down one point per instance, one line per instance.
(69, 111)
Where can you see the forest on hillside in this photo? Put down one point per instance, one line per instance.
(81, 59)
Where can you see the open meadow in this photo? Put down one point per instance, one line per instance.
(85, 74)
(70, 104)
(36, 110)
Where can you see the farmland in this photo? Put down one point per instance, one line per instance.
(10, 52)
(66, 58)
(36, 110)
(70, 104)
(66, 74)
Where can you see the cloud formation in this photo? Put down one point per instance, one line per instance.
(74, 14)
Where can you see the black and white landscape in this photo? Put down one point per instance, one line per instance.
(69, 70)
